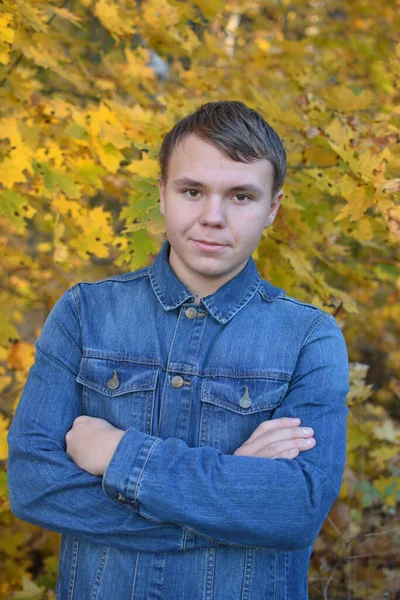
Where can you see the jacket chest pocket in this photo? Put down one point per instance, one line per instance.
(233, 408)
(119, 391)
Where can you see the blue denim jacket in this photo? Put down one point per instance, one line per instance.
(176, 516)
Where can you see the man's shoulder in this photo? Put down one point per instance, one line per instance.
(291, 309)
(130, 276)
(271, 293)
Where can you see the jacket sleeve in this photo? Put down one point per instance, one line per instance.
(253, 501)
(45, 487)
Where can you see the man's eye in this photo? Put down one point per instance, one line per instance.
(192, 193)
(242, 197)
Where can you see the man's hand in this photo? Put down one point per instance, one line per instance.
(91, 443)
(278, 438)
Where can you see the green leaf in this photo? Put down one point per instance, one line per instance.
(15, 207)
(76, 131)
(54, 179)
(139, 246)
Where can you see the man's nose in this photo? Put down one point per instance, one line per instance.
(213, 212)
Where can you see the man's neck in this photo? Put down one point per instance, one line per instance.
(198, 285)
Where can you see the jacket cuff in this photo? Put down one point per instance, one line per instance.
(123, 473)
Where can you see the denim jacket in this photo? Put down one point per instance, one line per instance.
(176, 515)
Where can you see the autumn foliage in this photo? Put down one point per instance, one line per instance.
(89, 88)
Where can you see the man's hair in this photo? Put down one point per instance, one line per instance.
(234, 128)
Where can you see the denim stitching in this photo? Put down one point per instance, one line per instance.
(187, 369)
(135, 576)
(167, 370)
(100, 572)
(286, 575)
(224, 318)
(138, 481)
(74, 561)
(160, 294)
(210, 574)
(274, 575)
(248, 573)
(117, 278)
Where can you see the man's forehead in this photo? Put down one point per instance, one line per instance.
(198, 160)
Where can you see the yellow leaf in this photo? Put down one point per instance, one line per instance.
(321, 155)
(364, 231)
(51, 153)
(109, 134)
(340, 139)
(356, 436)
(114, 19)
(323, 181)
(136, 65)
(384, 455)
(19, 159)
(210, 8)
(7, 33)
(159, 13)
(97, 118)
(97, 232)
(191, 42)
(147, 167)
(359, 198)
(343, 99)
(387, 432)
(109, 156)
(264, 44)
(64, 13)
(372, 167)
(269, 106)
(67, 207)
(21, 356)
(4, 423)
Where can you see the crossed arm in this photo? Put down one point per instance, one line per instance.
(237, 500)
(91, 442)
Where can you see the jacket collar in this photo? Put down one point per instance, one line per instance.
(222, 304)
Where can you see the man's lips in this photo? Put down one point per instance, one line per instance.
(210, 246)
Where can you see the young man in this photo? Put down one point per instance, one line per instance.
(167, 426)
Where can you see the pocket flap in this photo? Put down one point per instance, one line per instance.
(244, 395)
(96, 373)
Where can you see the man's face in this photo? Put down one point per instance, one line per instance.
(215, 210)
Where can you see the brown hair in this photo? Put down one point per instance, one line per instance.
(234, 128)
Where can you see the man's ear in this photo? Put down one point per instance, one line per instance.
(161, 189)
(275, 204)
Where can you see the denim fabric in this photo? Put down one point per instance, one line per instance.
(176, 516)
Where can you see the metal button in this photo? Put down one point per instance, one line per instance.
(121, 498)
(191, 312)
(245, 400)
(113, 383)
(177, 381)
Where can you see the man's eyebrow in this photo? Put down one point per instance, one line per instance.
(244, 187)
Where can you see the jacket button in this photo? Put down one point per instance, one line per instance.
(177, 382)
(113, 383)
(245, 400)
(191, 312)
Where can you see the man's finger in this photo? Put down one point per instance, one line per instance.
(273, 424)
(275, 449)
(290, 454)
(272, 439)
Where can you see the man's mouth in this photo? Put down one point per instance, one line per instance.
(209, 246)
